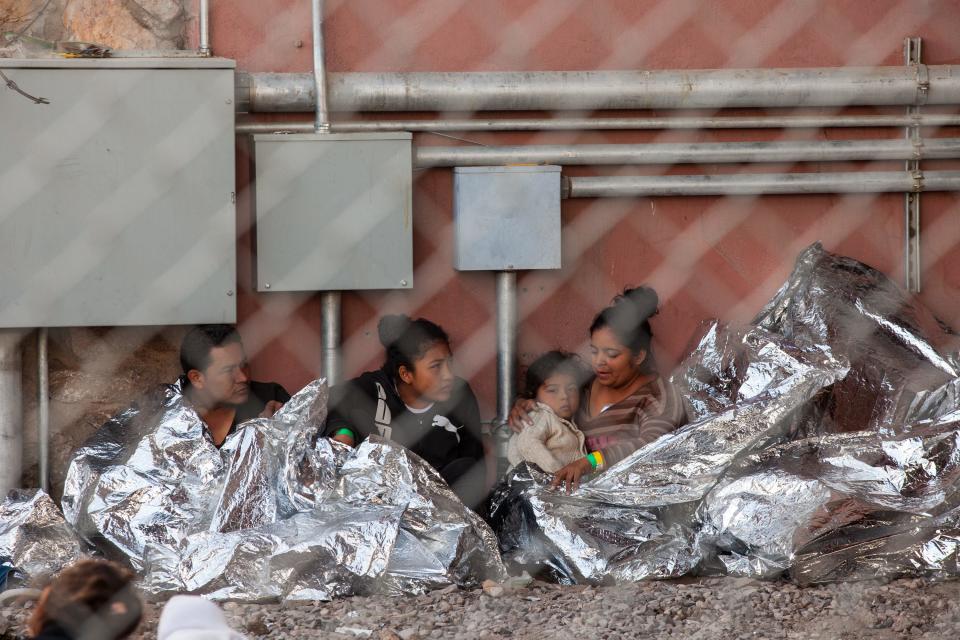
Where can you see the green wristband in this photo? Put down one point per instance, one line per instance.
(593, 461)
(344, 432)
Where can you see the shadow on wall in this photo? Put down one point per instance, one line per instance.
(94, 372)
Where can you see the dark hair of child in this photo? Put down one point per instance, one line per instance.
(550, 364)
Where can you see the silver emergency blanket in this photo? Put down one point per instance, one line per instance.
(824, 443)
(574, 539)
(276, 513)
(892, 342)
(35, 540)
(843, 506)
(682, 466)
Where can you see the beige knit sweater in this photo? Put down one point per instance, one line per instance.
(550, 442)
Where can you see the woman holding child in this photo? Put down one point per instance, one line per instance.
(626, 404)
(415, 400)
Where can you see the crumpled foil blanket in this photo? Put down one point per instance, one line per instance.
(35, 540)
(276, 513)
(824, 443)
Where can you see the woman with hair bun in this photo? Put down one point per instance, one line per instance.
(627, 404)
(416, 400)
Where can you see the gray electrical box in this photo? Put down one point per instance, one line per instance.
(334, 211)
(506, 218)
(116, 199)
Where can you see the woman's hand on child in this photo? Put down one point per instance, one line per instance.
(570, 475)
(520, 414)
(271, 408)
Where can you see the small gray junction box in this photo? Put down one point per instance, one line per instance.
(507, 218)
(334, 211)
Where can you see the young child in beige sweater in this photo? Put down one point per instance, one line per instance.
(554, 380)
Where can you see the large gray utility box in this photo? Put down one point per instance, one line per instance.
(507, 218)
(116, 199)
(334, 211)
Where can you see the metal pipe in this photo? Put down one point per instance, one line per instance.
(11, 410)
(612, 124)
(681, 153)
(675, 153)
(759, 184)
(321, 115)
(595, 90)
(204, 28)
(912, 49)
(329, 300)
(506, 343)
(331, 335)
(43, 408)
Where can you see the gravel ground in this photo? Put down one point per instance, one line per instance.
(712, 608)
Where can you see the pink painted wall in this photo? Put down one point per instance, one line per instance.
(707, 257)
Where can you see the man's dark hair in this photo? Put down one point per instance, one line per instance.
(199, 341)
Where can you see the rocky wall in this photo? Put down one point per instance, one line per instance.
(94, 372)
(119, 24)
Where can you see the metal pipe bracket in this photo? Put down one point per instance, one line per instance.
(923, 84)
(917, 176)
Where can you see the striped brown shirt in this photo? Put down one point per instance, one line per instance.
(620, 429)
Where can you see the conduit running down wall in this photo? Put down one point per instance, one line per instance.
(331, 314)
(204, 26)
(506, 343)
(11, 409)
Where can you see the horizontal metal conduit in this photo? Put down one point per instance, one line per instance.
(759, 184)
(687, 153)
(595, 90)
(614, 124)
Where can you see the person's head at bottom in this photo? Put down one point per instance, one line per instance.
(89, 600)
(193, 618)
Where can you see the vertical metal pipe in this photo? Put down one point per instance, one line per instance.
(322, 116)
(329, 300)
(911, 201)
(43, 408)
(330, 321)
(506, 343)
(11, 410)
(205, 27)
